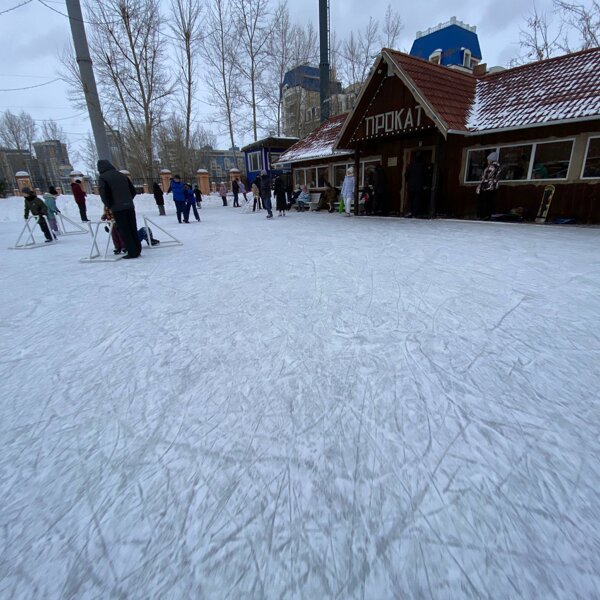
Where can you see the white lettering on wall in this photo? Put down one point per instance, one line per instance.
(394, 121)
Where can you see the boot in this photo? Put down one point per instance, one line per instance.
(161, 210)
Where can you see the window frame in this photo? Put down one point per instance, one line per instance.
(467, 56)
(437, 54)
(260, 161)
(585, 157)
(534, 145)
(569, 167)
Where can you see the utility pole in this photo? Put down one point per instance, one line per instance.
(324, 64)
(82, 53)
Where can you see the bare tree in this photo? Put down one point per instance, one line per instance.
(87, 153)
(391, 29)
(186, 26)
(51, 130)
(218, 55)
(538, 39)
(280, 52)
(253, 19)
(358, 52)
(131, 70)
(583, 20)
(12, 133)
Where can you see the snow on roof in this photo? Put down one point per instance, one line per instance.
(318, 143)
(566, 87)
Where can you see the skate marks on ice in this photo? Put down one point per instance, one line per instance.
(375, 415)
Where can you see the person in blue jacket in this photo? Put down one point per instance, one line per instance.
(176, 188)
(190, 202)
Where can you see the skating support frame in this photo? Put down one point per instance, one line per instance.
(172, 241)
(30, 238)
(95, 255)
(79, 229)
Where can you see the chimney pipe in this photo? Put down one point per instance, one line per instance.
(324, 64)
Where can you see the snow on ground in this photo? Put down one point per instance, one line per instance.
(309, 407)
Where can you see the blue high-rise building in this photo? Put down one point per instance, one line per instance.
(452, 44)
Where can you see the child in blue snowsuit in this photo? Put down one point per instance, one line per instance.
(190, 202)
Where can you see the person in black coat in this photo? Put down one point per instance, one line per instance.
(235, 188)
(159, 198)
(416, 182)
(198, 196)
(265, 193)
(117, 192)
(280, 196)
(380, 190)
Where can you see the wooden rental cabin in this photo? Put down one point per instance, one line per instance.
(543, 119)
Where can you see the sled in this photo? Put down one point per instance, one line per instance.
(30, 241)
(95, 254)
(542, 215)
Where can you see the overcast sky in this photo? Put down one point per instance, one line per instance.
(33, 36)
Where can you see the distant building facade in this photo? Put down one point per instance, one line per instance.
(301, 100)
(452, 44)
(12, 161)
(53, 161)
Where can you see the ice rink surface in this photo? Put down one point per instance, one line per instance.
(308, 407)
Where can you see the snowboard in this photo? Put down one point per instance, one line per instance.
(544, 209)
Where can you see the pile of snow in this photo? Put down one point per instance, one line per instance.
(311, 406)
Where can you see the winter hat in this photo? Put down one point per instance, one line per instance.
(350, 171)
(493, 157)
(26, 190)
(263, 173)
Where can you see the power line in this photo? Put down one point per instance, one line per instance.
(15, 7)
(30, 87)
(61, 119)
(97, 23)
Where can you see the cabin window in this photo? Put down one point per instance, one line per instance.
(476, 163)
(339, 172)
(514, 161)
(255, 161)
(299, 177)
(591, 166)
(551, 160)
(274, 157)
(322, 176)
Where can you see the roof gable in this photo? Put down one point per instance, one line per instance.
(376, 119)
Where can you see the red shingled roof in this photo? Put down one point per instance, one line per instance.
(318, 143)
(565, 87)
(449, 93)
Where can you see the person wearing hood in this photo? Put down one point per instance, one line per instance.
(176, 188)
(223, 193)
(159, 198)
(265, 193)
(38, 209)
(50, 201)
(117, 193)
(348, 190)
(486, 190)
(280, 197)
(79, 195)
